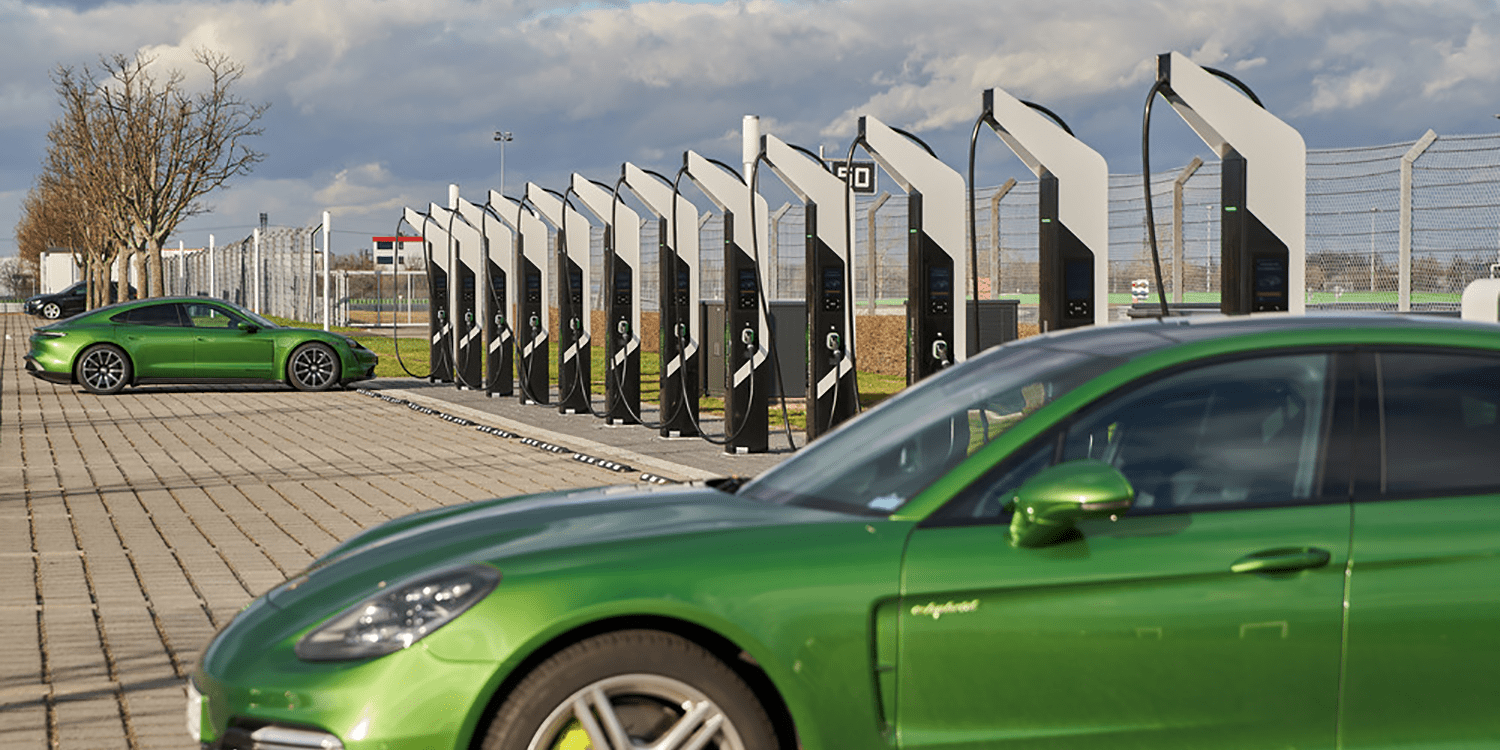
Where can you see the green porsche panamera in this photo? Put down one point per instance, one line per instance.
(190, 340)
(1259, 533)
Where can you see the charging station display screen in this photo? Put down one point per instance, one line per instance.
(747, 287)
(1077, 281)
(575, 285)
(1270, 284)
(533, 287)
(940, 289)
(680, 294)
(622, 286)
(833, 288)
(833, 280)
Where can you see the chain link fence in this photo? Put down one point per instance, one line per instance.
(1435, 200)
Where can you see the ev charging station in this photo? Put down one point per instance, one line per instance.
(497, 246)
(532, 290)
(1263, 188)
(464, 246)
(574, 279)
(622, 312)
(831, 392)
(747, 332)
(439, 326)
(677, 261)
(937, 321)
(1073, 216)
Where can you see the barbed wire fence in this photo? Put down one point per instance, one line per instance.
(1434, 202)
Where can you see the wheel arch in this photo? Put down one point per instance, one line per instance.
(78, 355)
(285, 349)
(724, 649)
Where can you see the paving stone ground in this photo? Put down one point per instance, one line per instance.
(133, 526)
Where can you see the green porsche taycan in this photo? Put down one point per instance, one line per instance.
(1255, 533)
(190, 340)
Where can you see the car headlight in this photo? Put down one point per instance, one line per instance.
(398, 616)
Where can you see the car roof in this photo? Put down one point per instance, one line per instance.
(1130, 340)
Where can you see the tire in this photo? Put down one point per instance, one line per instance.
(104, 369)
(313, 367)
(645, 684)
(52, 311)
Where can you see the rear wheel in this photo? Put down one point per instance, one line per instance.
(313, 367)
(631, 689)
(103, 369)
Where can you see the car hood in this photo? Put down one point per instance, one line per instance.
(492, 531)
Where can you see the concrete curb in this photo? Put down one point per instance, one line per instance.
(669, 469)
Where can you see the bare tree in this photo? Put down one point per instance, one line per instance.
(139, 152)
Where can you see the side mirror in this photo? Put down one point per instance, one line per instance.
(248, 327)
(1051, 503)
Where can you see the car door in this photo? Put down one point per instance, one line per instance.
(1424, 588)
(1138, 632)
(224, 350)
(160, 346)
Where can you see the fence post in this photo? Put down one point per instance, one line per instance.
(1403, 298)
(327, 251)
(995, 231)
(871, 242)
(1179, 247)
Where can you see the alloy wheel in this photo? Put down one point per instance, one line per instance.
(635, 712)
(103, 370)
(313, 367)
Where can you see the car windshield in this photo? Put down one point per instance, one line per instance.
(252, 317)
(877, 462)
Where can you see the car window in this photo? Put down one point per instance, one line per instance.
(166, 315)
(1440, 414)
(1243, 432)
(204, 315)
(883, 458)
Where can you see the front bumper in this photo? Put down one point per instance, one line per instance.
(409, 700)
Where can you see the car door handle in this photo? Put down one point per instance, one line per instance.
(1279, 560)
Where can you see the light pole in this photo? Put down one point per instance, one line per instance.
(503, 137)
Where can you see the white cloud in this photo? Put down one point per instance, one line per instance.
(1477, 59)
(381, 101)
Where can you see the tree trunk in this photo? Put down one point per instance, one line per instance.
(138, 264)
(122, 275)
(158, 285)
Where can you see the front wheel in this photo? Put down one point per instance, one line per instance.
(52, 311)
(631, 689)
(103, 369)
(313, 367)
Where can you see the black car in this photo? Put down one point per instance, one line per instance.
(66, 303)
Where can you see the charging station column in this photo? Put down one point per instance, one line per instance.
(747, 333)
(439, 328)
(831, 392)
(465, 243)
(1073, 215)
(937, 324)
(498, 252)
(622, 313)
(1263, 189)
(574, 280)
(677, 265)
(532, 355)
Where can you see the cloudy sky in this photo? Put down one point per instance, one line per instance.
(376, 104)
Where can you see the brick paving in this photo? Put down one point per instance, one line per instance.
(133, 526)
